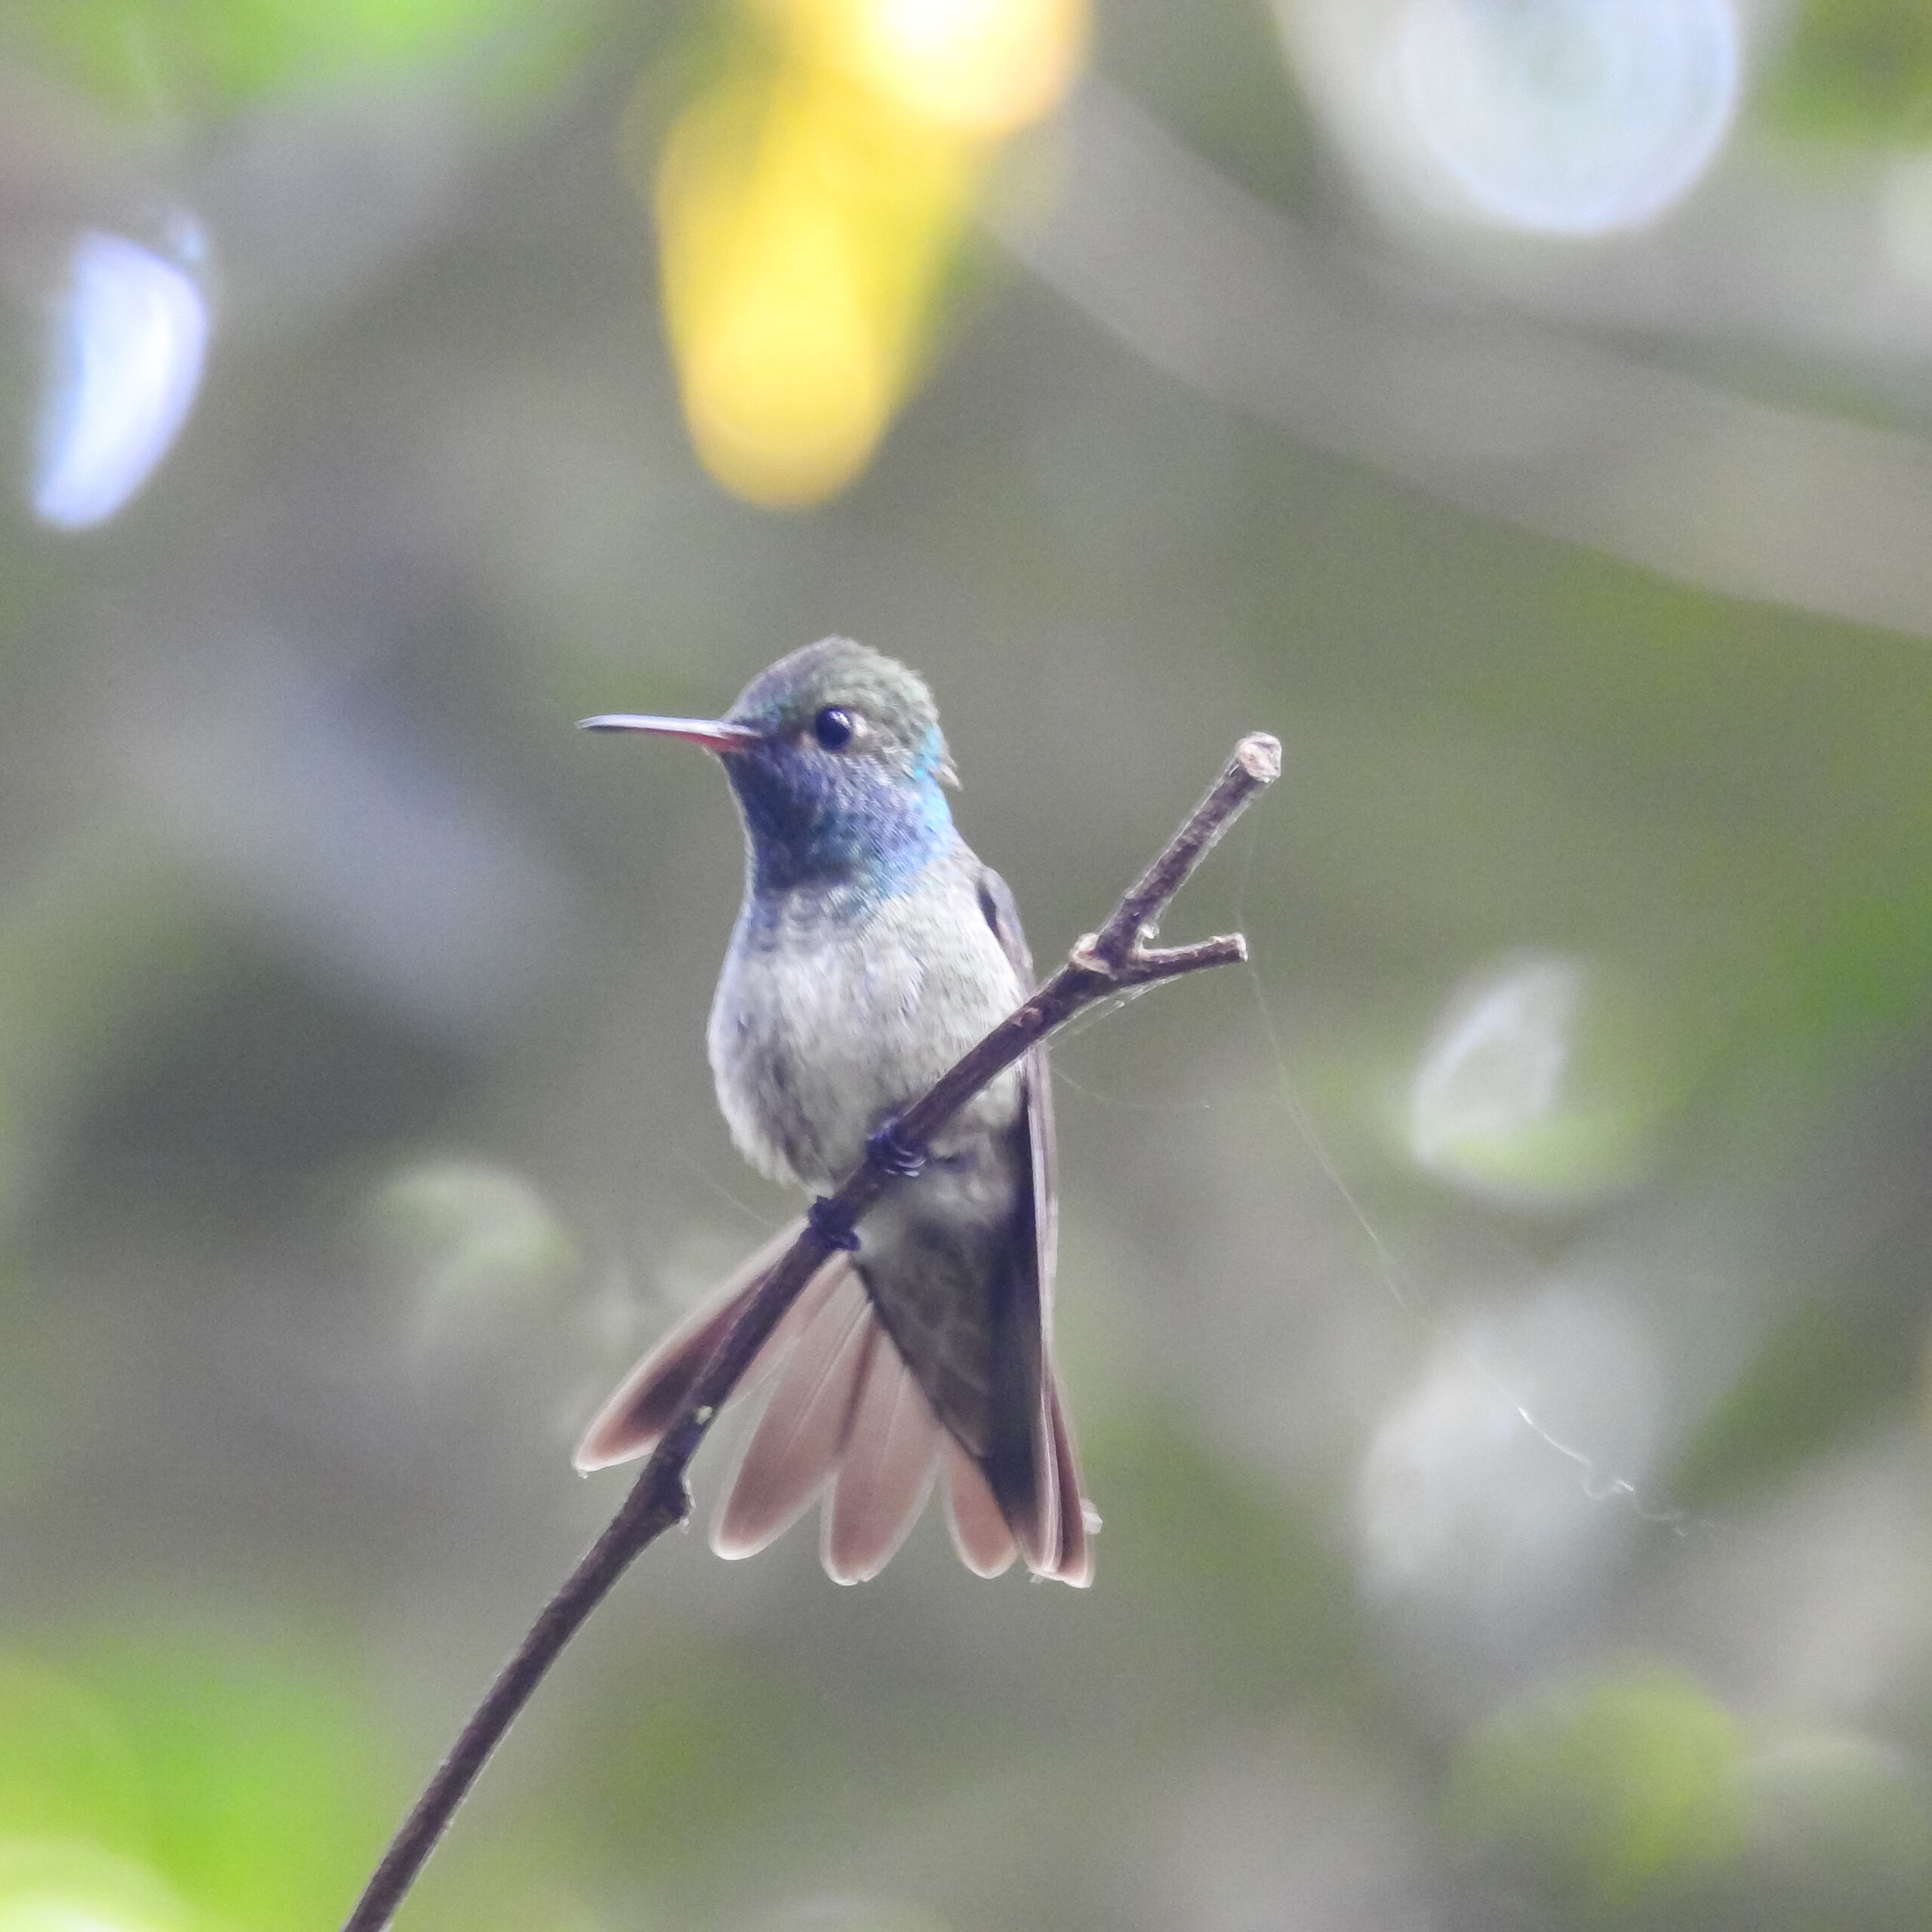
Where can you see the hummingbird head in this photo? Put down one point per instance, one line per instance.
(837, 758)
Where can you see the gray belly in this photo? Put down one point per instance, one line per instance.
(816, 1042)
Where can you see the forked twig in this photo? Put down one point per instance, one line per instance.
(1116, 958)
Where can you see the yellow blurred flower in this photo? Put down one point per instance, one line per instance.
(980, 67)
(808, 204)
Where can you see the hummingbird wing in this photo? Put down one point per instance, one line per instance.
(1032, 1470)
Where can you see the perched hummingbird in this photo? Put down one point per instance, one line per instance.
(871, 949)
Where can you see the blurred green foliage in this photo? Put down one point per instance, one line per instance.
(160, 59)
(244, 1779)
(267, 1782)
(1853, 71)
(67, 1770)
(702, 1762)
(1210, 1551)
(63, 1886)
(106, 941)
(1602, 1791)
(1832, 1368)
(454, 1233)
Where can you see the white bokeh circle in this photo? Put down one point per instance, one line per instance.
(1569, 117)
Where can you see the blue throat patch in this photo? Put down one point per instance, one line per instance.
(849, 827)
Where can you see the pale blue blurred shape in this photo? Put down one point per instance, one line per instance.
(373, 856)
(131, 336)
(1495, 1069)
(1571, 117)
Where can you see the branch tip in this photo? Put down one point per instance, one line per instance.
(1260, 755)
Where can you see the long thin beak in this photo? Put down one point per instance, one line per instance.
(713, 733)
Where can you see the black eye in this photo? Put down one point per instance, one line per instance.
(833, 727)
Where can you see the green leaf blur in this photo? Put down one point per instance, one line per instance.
(149, 59)
(1604, 1791)
(1854, 71)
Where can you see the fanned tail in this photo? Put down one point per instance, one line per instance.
(845, 1421)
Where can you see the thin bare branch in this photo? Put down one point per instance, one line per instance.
(1169, 962)
(1097, 968)
(1256, 762)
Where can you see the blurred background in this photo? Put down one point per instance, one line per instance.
(1496, 1323)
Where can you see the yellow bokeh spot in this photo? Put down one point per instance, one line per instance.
(809, 203)
(803, 228)
(982, 67)
(786, 401)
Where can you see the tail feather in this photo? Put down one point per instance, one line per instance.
(885, 1474)
(979, 1531)
(847, 1418)
(801, 1436)
(630, 1423)
(1075, 1560)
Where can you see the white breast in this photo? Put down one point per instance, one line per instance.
(812, 1046)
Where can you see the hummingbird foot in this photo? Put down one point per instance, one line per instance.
(832, 1222)
(891, 1155)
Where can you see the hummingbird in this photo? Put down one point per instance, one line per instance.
(873, 947)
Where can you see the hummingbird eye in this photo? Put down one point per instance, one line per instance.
(834, 728)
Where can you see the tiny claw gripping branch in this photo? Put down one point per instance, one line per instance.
(1117, 955)
(887, 1149)
(831, 1220)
